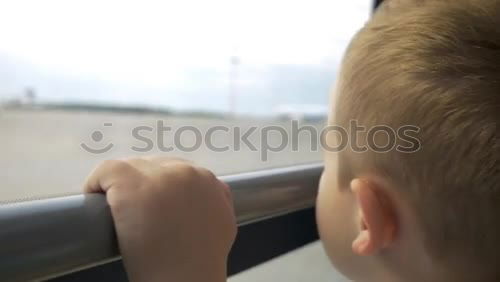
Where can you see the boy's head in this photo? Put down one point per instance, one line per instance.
(432, 214)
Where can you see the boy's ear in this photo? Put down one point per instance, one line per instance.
(377, 220)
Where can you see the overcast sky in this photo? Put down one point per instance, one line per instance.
(143, 42)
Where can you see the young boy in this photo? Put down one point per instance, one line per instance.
(430, 215)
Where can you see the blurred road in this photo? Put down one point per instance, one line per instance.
(307, 264)
(41, 153)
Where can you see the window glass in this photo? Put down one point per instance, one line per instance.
(218, 82)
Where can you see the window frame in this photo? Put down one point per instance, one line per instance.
(54, 237)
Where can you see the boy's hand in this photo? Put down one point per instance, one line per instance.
(174, 221)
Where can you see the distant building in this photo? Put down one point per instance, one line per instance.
(29, 97)
(301, 112)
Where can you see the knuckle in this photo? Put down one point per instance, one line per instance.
(118, 166)
(179, 173)
(140, 160)
(180, 160)
(207, 174)
(186, 170)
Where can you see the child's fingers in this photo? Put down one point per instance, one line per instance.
(166, 160)
(108, 173)
(227, 191)
(228, 195)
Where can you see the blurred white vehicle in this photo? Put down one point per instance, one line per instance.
(301, 112)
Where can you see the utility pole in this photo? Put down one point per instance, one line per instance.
(29, 96)
(233, 83)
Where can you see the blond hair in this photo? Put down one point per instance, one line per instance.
(435, 65)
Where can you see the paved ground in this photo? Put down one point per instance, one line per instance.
(308, 264)
(41, 156)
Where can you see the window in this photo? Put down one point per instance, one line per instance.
(85, 81)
